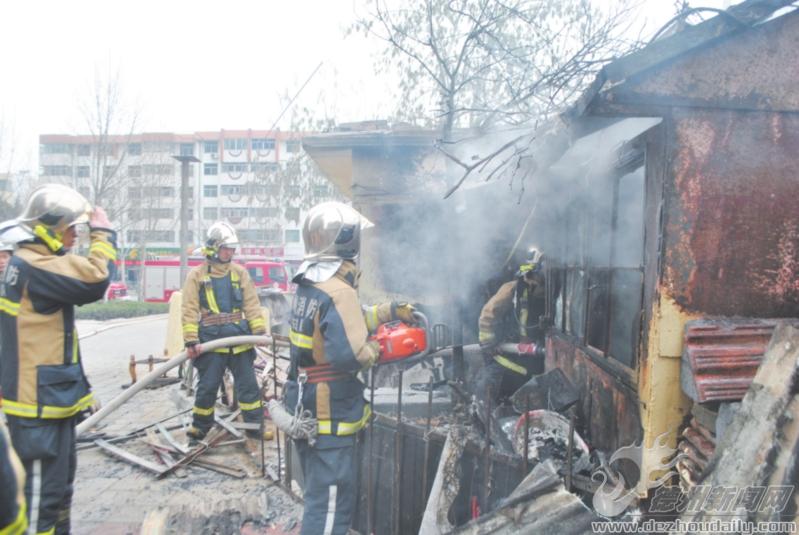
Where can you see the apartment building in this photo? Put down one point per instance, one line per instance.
(255, 179)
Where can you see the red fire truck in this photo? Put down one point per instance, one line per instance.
(161, 277)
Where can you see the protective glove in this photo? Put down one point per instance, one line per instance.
(373, 352)
(403, 312)
(99, 219)
(193, 350)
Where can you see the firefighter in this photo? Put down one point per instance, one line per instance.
(329, 346)
(6, 251)
(220, 300)
(44, 387)
(512, 315)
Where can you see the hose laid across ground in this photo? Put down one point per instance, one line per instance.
(177, 360)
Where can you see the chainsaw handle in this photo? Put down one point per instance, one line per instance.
(426, 324)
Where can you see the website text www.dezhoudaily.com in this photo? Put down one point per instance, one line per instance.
(680, 526)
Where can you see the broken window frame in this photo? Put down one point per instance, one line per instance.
(631, 158)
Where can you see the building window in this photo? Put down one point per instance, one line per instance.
(321, 191)
(292, 213)
(210, 191)
(84, 149)
(134, 193)
(187, 149)
(57, 170)
(234, 168)
(210, 147)
(263, 212)
(159, 213)
(109, 171)
(134, 149)
(229, 189)
(210, 169)
(236, 144)
(292, 236)
(83, 171)
(134, 171)
(151, 236)
(234, 213)
(210, 213)
(602, 282)
(263, 167)
(158, 191)
(293, 145)
(264, 143)
(160, 169)
(56, 148)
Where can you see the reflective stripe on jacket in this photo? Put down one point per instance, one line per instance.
(215, 288)
(40, 368)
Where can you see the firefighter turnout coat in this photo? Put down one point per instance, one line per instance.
(328, 347)
(512, 315)
(220, 300)
(40, 368)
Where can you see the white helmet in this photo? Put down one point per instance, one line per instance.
(50, 210)
(8, 247)
(220, 234)
(332, 231)
(533, 262)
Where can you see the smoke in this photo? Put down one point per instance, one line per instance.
(450, 253)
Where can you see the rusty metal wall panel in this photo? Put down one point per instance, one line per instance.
(608, 411)
(756, 69)
(731, 234)
(721, 357)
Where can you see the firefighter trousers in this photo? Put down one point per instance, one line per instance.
(330, 490)
(499, 382)
(47, 451)
(211, 370)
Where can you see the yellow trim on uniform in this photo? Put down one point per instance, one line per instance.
(300, 340)
(372, 319)
(346, 428)
(485, 336)
(509, 364)
(30, 410)
(104, 248)
(257, 323)
(19, 525)
(191, 328)
(50, 531)
(9, 307)
(74, 346)
(202, 412)
(209, 295)
(250, 406)
(236, 349)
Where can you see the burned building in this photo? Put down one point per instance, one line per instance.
(665, 199)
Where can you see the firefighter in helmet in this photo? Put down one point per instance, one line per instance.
(329, 346)
(44, 387)
(513, 314)
(220, 300)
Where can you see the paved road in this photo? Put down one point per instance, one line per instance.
(106, 353)
(112, 497)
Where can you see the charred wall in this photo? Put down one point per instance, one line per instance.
(608, 412)
(731, 220)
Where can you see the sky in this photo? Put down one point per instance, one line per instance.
(191, 65)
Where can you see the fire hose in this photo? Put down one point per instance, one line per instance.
(177, 360)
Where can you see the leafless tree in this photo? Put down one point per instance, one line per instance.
(111, 123)
(494, 64)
